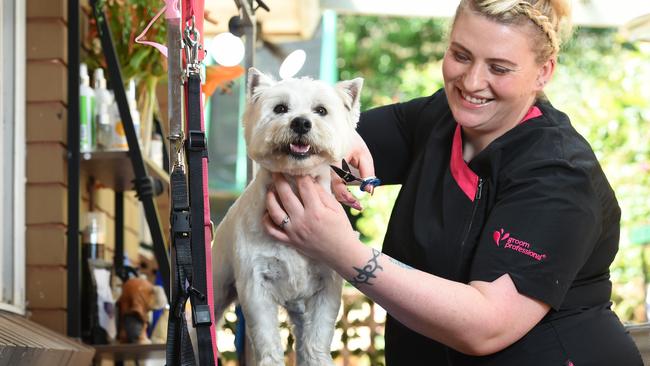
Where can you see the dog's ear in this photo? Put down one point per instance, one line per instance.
(350, 91)
(257, 80)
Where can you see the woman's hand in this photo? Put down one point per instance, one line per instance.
(358, 157)
(317, 226)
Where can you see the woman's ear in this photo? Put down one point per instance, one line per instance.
(545, 73)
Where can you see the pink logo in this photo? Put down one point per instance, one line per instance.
(512, 243)
(498, 236)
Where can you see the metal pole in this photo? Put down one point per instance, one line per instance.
(74, 255)
(250, 36)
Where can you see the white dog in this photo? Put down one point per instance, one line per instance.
(295, 127)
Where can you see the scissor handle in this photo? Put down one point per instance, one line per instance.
(372, 181)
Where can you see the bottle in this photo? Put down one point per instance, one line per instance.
(92, 254)
(94, 235)
(86, 110)
(133, 107)
(104, 128)
(119, 134)
(103, 99)
(118, 139)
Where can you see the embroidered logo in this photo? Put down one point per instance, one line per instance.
(501, 237)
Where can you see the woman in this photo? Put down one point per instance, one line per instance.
(499, 245)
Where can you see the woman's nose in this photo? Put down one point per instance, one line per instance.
(474, 78)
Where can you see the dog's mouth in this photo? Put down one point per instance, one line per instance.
(300, 150)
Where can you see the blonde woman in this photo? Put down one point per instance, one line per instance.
(499, 245)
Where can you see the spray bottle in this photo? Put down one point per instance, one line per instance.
(86, 110)
(103, 99)
(119, 135)
(133, 107)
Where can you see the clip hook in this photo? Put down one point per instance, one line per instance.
(192, 46)
(177, 143)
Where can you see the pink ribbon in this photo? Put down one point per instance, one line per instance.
(172, 9)
(171, 12)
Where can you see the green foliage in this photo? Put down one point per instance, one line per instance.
(386, 52)
(601, 82)
(126, 19)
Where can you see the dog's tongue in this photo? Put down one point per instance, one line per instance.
(299, 149)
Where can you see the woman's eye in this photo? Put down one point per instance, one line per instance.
(281, 109)
(460, 57)
(500, 70)
(321, 111)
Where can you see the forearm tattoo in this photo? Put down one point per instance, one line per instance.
(365, 274)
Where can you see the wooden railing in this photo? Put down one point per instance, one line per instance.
(358, 339)
(641, 335)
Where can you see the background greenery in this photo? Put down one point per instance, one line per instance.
(601, 82)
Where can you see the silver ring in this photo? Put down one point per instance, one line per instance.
(284, 221)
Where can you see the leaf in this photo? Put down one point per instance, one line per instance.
(138, 57)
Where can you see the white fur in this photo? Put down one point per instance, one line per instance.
(250, 265)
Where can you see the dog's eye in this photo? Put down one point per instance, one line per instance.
(281, 109)
(321, 111)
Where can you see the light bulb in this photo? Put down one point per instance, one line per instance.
(226, 49)
(292, 64)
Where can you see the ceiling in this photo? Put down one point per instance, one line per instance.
(288, 20)
(294, 20)
(638, 29)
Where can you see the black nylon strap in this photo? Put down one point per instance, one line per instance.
(202, 317)
(179, 350)
(179, 346)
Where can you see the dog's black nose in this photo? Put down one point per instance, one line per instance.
(300, 125)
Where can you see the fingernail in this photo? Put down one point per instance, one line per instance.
(354, 204)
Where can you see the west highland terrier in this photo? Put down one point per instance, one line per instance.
(295, 127)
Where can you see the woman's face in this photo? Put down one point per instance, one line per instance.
(491, 77)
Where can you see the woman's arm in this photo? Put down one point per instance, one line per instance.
(479, 318)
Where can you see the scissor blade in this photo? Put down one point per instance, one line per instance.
(346, 176)
(344, 165)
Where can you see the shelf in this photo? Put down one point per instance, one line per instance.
(114, 170)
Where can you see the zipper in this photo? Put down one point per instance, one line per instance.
(479, 193)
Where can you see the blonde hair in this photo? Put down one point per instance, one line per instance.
(552, 18)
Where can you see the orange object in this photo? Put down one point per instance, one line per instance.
(219, 76)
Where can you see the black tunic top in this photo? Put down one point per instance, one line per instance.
(534, 204)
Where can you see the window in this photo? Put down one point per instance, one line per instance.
(12, 155)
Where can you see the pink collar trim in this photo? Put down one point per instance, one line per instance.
(466, 179)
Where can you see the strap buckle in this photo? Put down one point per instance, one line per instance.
(196, 141)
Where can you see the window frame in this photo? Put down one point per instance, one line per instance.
(18, 176)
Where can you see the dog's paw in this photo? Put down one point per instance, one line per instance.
(270, 361)
(315, 360)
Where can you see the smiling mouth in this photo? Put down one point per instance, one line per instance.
(299, 150)
(474, 100)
